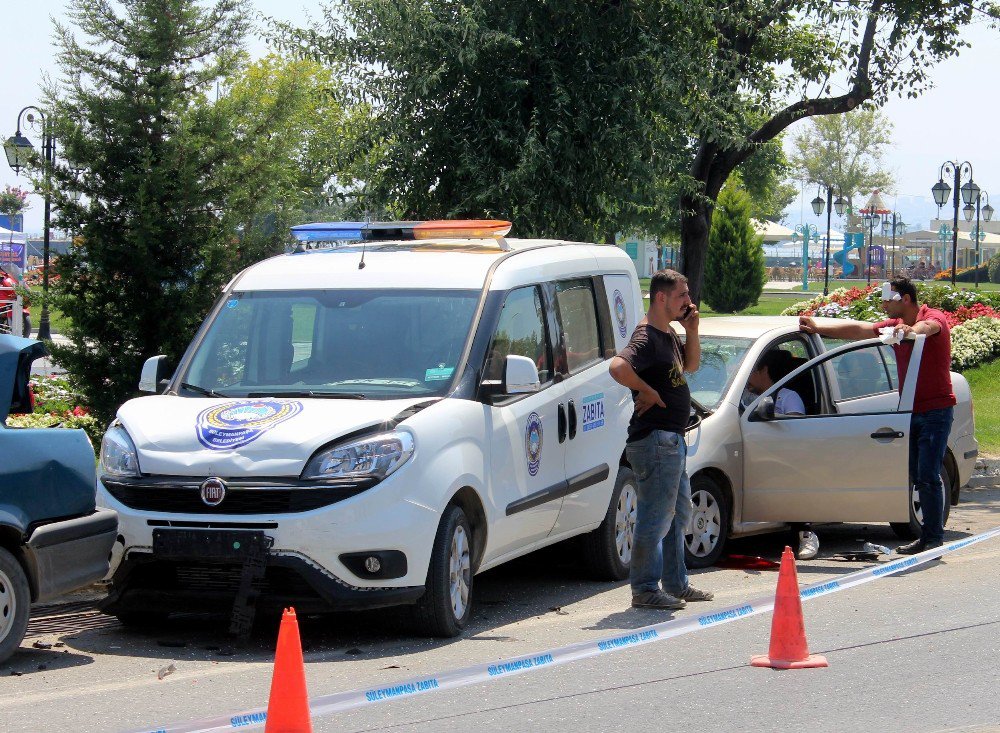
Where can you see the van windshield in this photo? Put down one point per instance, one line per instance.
(377, 344)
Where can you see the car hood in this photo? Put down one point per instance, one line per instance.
(183, 436)
(16, 355)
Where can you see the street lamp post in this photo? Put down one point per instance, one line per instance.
(977, 234)
(941, 190)
(896, 225)
(19, 152)
(817, 206)
(869, 220)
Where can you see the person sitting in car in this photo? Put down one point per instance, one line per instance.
(774, 366)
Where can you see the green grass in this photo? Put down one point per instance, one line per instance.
(817, 285)
(58, 321)
(986, 398)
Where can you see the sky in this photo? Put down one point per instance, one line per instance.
(952, 121)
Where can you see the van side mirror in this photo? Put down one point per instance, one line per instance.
(764, 410)
(155, 373)
(520, 376)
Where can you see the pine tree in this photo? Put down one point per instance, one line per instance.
(734, 269)
(151, 250)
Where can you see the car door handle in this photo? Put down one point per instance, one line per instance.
(887, 434)
(562, 422)
(572, 419)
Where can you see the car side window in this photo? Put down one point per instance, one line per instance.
(580, 329)
(891, 368)
(521, 332)
(861, 373)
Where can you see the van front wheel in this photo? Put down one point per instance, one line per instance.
(445, 607)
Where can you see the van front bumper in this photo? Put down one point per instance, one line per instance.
(145, 581)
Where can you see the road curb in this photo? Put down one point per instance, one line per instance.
(986, 474)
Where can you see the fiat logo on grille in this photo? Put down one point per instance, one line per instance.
(213, 491)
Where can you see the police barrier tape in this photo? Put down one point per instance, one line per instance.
(343, 701)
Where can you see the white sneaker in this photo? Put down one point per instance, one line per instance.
(808, 545)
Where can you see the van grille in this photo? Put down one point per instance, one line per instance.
(182, 495)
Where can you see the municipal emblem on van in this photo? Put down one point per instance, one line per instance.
(213, 491)
(620, 314)
(533, 442)
(236, 424)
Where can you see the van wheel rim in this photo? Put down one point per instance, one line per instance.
(625, 523)
(706, 524)
(459, 572)
(8, 606)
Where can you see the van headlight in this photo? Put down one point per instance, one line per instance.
(374, 457)
(118, 454)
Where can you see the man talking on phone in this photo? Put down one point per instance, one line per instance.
(652, 365)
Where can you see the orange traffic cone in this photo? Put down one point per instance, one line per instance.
(788, 648)
(288, 705)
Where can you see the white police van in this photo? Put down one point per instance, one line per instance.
(374, 423)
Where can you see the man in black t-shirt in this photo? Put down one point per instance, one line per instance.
(652, 365)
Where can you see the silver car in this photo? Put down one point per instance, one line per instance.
(844, 460)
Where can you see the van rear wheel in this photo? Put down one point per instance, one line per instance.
(445, 607)
(607, 550)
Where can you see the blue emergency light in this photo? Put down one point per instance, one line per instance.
(329, 231)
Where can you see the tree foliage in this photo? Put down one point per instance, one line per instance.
(752, 68)
(552, 114)
(734, 269)
(151, 249)
(845, 152)
(288, 129)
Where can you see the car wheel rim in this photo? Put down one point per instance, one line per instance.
(706, 524)
(459, 572)
(625, 523)
(8, 605)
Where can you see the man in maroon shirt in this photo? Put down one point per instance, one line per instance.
(933, 404)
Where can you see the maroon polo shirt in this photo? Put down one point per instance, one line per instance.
(934, 389)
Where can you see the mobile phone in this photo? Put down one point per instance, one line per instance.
(687, 311)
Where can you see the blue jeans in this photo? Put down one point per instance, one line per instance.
(660, 464)
(928, 441)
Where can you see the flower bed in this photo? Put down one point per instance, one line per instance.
(973, 316)
(56, 406)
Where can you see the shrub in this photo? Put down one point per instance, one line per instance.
(734, 266)
(994, 269)
(974, 342)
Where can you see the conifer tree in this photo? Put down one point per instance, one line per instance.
(151, 250)
(734, 269)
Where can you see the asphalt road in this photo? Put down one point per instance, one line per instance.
(916, 651)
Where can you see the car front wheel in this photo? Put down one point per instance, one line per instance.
(709, 528)
(15, 604)
(911, 530)
(446, 605)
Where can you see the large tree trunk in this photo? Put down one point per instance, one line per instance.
(696, 223)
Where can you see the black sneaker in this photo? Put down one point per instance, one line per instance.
(657, 599)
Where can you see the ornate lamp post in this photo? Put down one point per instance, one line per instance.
(977, 235)
(20, 152)
(941, 191)
(817, 206)
(873, 212)
(893, 225)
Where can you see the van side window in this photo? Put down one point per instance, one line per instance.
(521, 332)
(580, 330)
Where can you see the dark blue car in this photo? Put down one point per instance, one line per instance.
(52, 537)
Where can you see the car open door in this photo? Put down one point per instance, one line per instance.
(830, 466)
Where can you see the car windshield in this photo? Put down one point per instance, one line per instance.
(721, 357)
(377, 344)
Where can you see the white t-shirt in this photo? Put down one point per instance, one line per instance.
(787, 402)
